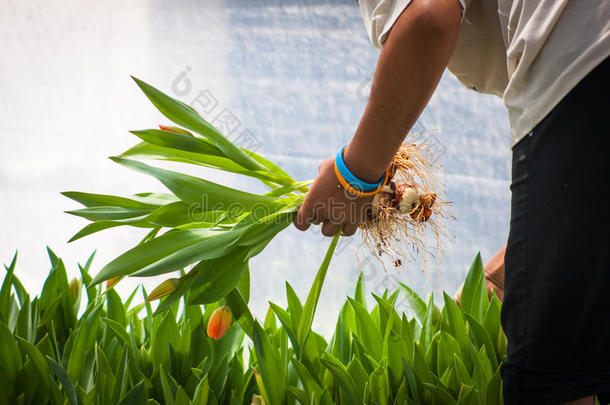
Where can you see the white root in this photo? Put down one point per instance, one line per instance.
(408, 210)
(387, 189)
(380, 200)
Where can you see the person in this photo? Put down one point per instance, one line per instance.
(548, 60)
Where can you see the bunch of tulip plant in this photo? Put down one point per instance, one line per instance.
(217, 229)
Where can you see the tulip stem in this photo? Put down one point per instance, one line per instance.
(314, 294)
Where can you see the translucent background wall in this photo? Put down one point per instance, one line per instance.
(289, 78)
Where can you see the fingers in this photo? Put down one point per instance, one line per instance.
(331, 222)
(349, 229)
(309, 213)
(354, 219)
(317, 197)
(304, 217)
(330, 228)
(327, 203)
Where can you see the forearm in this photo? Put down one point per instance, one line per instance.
(494, 269)
(409, 68)
(494, 276)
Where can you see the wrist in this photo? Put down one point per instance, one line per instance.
(495, 276)
(494, 269)
(354, 184)
(361, 165)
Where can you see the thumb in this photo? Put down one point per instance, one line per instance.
(304, 217)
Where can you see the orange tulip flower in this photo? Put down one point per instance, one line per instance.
(220, 322)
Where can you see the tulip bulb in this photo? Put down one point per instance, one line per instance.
(406, 198)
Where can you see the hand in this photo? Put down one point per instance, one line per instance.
(490, 285)
(329, 204)
(494, 276)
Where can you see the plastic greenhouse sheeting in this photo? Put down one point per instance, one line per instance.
(288, 78)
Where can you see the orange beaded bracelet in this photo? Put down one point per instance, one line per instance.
(359, 193)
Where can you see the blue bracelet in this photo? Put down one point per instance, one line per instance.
(350, 178)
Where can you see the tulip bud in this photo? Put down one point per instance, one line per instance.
(176, 130)
(220, 322)
(257, 400)
(112, 281)
(163, 289)
(74, 287)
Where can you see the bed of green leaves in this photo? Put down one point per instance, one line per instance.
(118, 352)
(124, 352)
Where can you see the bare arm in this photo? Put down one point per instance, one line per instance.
(494, 275)
(409, 68)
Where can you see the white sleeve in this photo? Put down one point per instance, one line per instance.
(380, 15)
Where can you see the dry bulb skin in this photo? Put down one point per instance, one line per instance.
(408, 213)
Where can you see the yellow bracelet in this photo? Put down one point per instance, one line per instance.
(348, 187)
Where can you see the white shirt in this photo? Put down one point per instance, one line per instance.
(530, 52)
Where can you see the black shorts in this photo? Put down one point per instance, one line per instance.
(556, 310)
